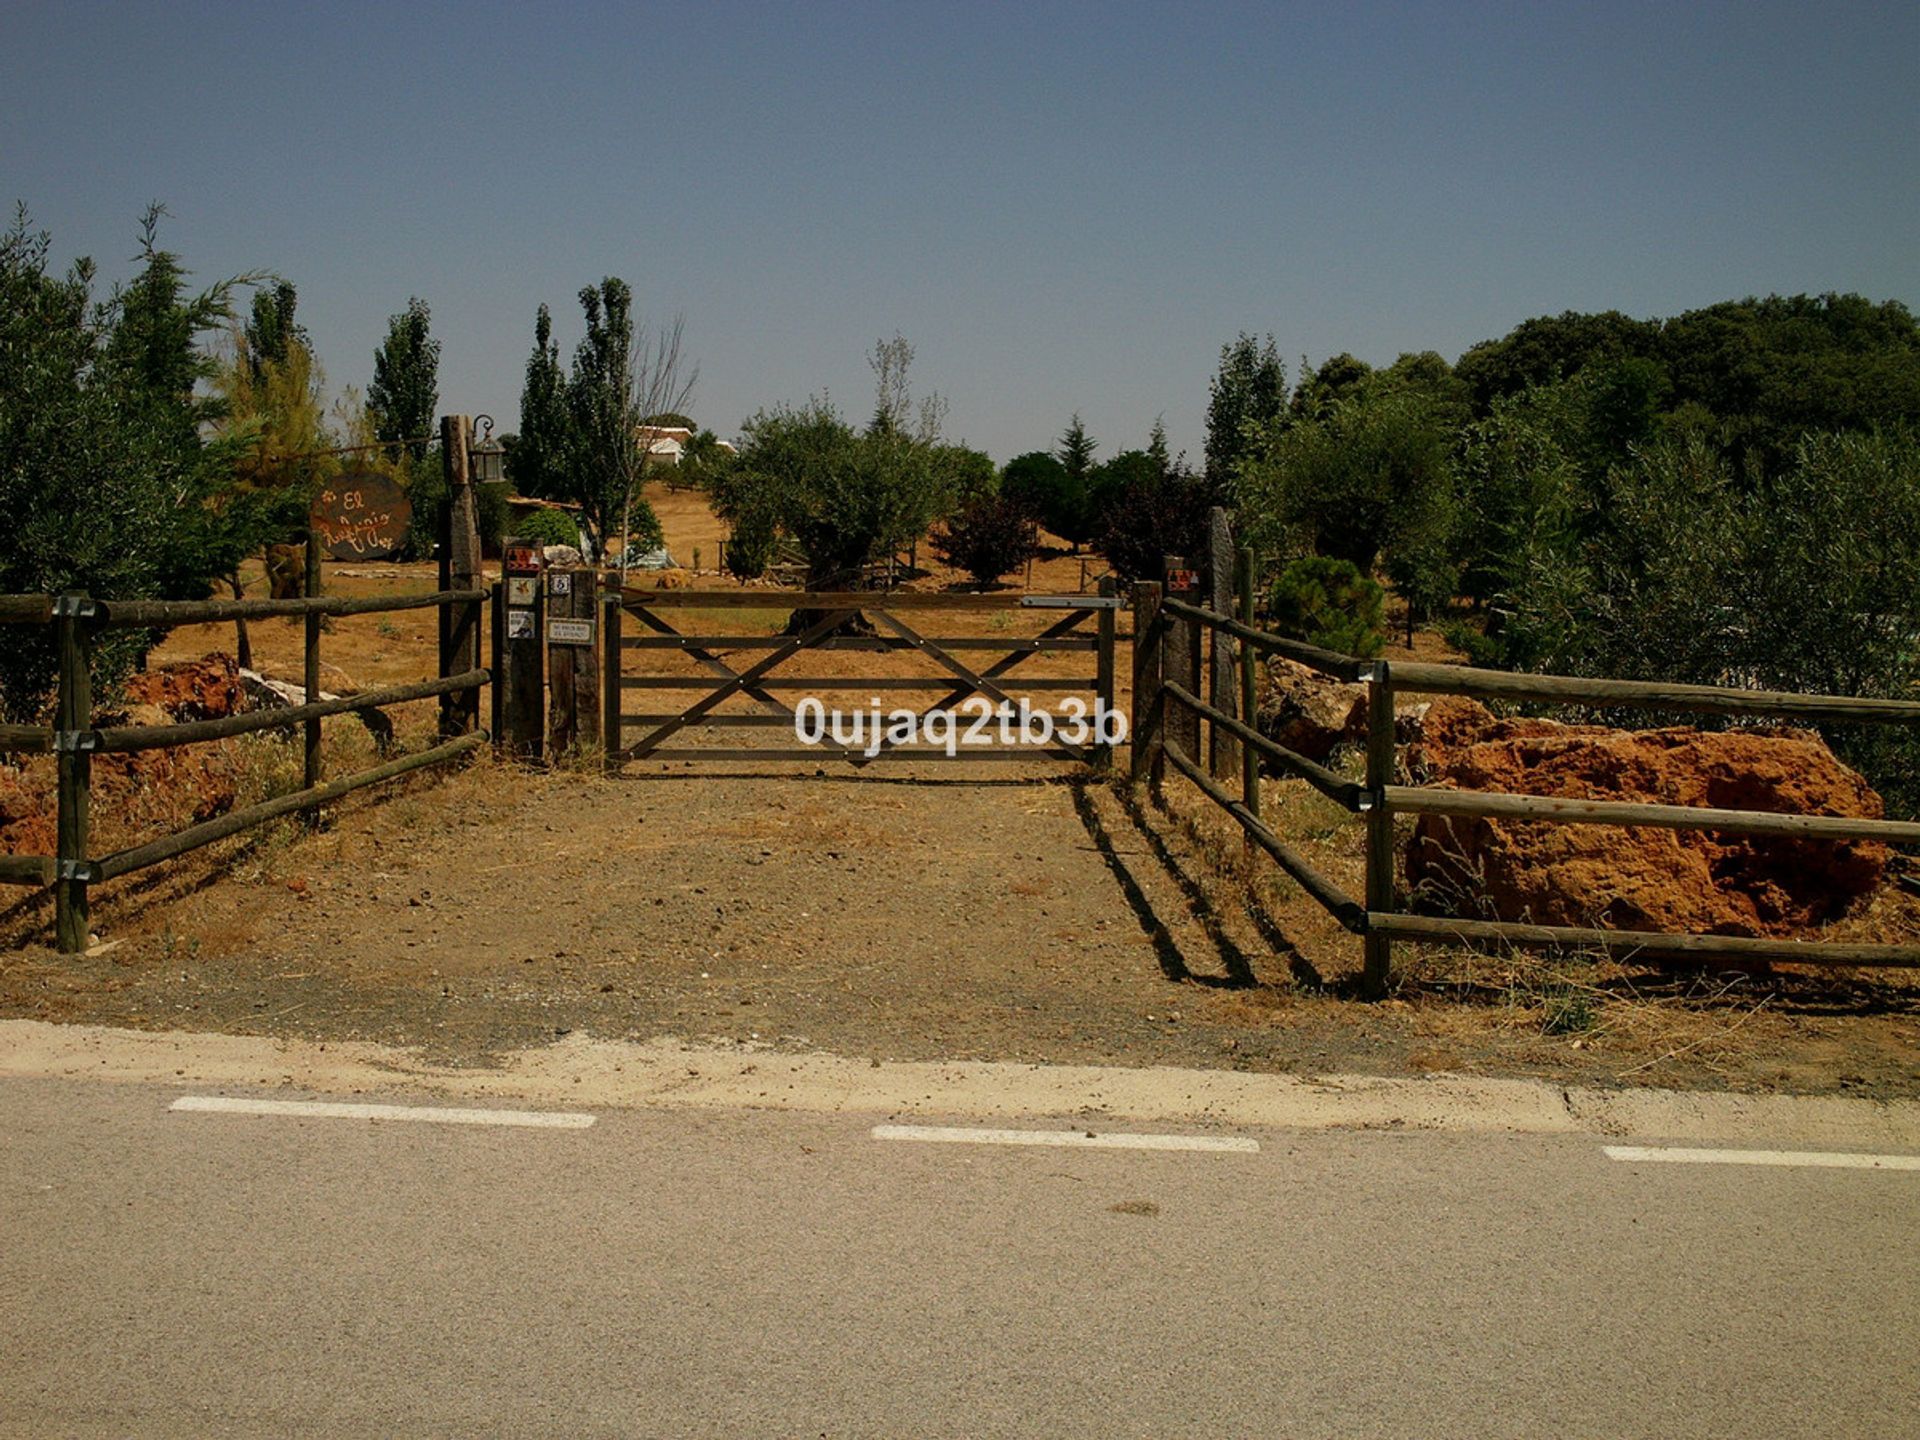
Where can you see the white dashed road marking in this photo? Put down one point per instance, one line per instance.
(1085, 1139)
(434, 1114)
(1815, 1159)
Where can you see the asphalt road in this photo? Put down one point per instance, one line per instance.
(667, 1272)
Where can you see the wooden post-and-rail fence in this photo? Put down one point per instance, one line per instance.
(1168, 711)
(74, 621)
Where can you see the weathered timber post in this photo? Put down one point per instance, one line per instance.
(1379, 947)
(311, 766)
(497, 667)
(522, 681)
(1223, 749)
(459, 570)
(1249, 685)
(1181, 660)
(73, 641)
(612, 737)
(1105, 622)
(1149, 636)
(573, 679)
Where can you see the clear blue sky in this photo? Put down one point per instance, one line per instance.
(1063, 207)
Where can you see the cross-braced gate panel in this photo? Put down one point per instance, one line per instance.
(937, 706)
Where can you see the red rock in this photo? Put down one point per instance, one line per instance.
(204, 689)
(1637, 878)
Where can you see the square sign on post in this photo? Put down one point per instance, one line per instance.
(573, 676)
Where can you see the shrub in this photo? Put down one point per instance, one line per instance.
(988, 537)
(750, 547)
(546, 527)
(1329, 603)
(1149, 516)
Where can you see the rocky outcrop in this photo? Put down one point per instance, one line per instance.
(1308, 712)
(1636, 878)
(204, 689)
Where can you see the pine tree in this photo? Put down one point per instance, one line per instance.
(406, 391)
(537, 460)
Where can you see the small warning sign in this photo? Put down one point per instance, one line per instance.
(570, 632)
(520, 589)
(520, 625)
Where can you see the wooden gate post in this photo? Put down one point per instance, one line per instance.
(1149, 636)
(573, 679)
(1181, 659)
(73, 639)
(1106, 626)
(1222, 693)
(1379, 947)
(521, 650)
(612, 738)
(310, 770)
(459, 570)
(1249, 686)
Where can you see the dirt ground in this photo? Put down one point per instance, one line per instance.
(1012, 912)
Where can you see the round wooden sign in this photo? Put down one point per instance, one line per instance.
(361, 517)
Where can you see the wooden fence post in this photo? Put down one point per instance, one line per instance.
(1379, 947)
(73, 640)
(521, 650)
(573, 679)
(497, 668)
(1180, 727)
(1222, 693)
(1105, 622)
(311, 766)
(612, 737)
(1249, 685)
(1148, 639)
(459, 570)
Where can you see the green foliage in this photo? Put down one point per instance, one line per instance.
(847, 497)
(1806, 579)
(1071, 520)
(425, 481)
(990, 536)
(536, 461)
(491, 513)
(1038, 482)
(406, 386)
(606, 453)
(964, 475)
(105, 482)
(1366, 471)
(1754, 374)
(1329, 603)
(702, 459)
(579, 437)
(546, 527)
(1247, 396)
(750, 546)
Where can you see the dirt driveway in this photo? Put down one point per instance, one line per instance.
(1009, 916)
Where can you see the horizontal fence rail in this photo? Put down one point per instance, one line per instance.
(1416, 677)
(1169, 631)
(168, 614)
(75, 620)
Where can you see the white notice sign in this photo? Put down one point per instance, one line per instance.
(570, 632)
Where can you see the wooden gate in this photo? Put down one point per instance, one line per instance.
(920, 674)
